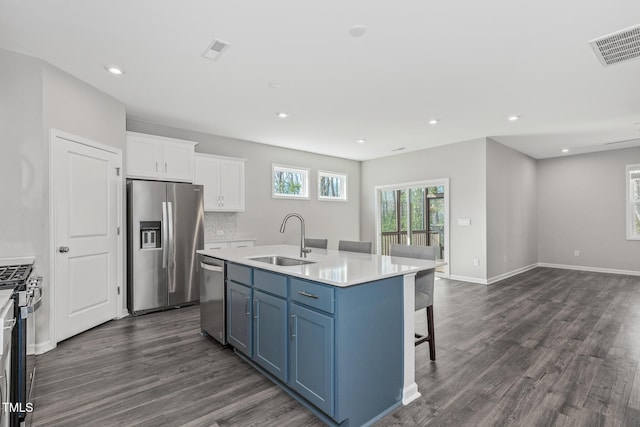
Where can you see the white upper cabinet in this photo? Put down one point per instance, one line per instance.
(157, 157)
(223, 181)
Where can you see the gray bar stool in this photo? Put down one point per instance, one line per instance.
(424, 288)
(350, 246)
(316, 243)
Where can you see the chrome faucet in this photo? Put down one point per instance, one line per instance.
(303, 250)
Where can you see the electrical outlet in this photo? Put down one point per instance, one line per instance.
(576, 253)
(505, 258)
(476, 262)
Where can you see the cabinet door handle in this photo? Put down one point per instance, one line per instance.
(291, 326)
(308, 295)
(255, 309)
(165, 167)
(156, 166)
(246, 306)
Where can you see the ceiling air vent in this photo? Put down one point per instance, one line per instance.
(620, 46)
(215, 49)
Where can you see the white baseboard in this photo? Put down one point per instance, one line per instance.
(43, 347)
(468, 279)
(123, 313)
(512, 273)
(592, 269)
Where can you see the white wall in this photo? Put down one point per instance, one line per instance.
(464, 164)
(22, 163)
(512, 214)
(581, 206)
(35, 97)
(263, 214)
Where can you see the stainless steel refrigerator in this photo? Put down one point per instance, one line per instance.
(165, 227)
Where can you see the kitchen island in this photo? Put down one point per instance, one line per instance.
(335, 331)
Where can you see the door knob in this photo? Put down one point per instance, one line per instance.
(63, 249)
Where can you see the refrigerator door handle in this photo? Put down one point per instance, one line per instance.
(165, 235)
(171, 228)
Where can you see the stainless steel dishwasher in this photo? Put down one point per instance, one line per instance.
(212, 298)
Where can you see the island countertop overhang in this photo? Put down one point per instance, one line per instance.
(332, 267)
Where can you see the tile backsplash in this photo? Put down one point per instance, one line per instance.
(214, 222)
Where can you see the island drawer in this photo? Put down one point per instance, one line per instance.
(313, 294)
(270, 282)
(239, 274)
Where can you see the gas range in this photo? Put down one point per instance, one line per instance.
(19, 275)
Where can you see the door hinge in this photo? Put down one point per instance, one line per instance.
(118, 290)
(117, 171)
(118, 231)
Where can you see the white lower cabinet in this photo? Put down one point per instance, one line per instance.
(231, 244)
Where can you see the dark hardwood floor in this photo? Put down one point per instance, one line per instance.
(547, 347)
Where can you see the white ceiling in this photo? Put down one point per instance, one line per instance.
(468, 63)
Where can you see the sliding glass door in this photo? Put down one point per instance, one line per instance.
(414, 214)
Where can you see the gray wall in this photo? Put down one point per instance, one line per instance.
(512, 214)
(263, 214)
(35, 97)
(465, 165)
(581, 206)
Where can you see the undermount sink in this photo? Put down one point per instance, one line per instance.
(281, 260)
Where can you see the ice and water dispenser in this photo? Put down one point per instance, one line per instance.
(150, 235)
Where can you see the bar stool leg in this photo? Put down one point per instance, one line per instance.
(431, 338)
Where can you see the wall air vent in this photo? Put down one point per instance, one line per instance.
(620, 46)
(215, 49)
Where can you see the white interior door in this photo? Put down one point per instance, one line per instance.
(85, 204)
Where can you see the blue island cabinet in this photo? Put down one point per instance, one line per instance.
(312, 362)
(270, 323)
(239, 294)
(337, 350)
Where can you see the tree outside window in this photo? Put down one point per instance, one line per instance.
(633, 202)
(332, 186)
(290, 182)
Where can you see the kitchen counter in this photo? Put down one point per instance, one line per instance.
(5, 296)
(229, 239)
(332, 267)
(350, 273)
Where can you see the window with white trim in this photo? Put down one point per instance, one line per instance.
(332, 186)
(289, 182)
(633, 202)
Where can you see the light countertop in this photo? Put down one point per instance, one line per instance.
(337, 268)
(229, 239)
(5, 297)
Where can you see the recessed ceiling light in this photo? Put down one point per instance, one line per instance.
(433, 121)
(565, 150)
(513, 118)
(362, 141)
(114, 70)
(283, 115)
(357, 31)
